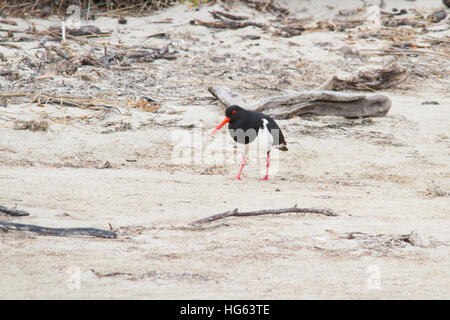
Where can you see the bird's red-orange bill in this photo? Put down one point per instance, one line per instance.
(224, 122)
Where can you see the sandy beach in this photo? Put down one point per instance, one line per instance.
(118, 168)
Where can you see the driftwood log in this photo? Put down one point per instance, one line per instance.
(310, 103)
(13, 211)
(5, 226)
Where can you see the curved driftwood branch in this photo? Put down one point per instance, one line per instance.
(58, 231)
(236, 213)
(324, 103)
(13, 211)
(227, 96)
(311, 103)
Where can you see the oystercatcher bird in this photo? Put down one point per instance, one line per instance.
(246, 125)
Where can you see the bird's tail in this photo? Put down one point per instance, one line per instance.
(282, 147)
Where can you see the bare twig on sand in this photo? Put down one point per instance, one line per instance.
(58, 231)
(111, 274)
(10, 45)
(5, 226)
(71, 101)
(13, 31)
(236, 213)
(405, 52)
(220, 15)
(45, 32)
(226, 24)
(230, 21)
(278, 30)
(311, 103)
(145, 55)
(13, 211)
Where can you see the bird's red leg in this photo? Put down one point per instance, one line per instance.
(238, 177)
(267, 168)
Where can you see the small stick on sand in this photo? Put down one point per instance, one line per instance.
(13, 211)
(111, 274)
(236, 213)
(227, 24)
(220, 14)
(58, 231)
(406, 52)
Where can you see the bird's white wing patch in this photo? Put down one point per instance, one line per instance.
(267, 133)
(265, 138)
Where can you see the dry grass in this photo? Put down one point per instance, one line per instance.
(44, 8)
(435, 190)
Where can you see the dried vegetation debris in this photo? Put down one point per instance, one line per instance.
(389, 240)
(86, 30)
(32, 125)
(435, 190)
(282, 27)
(85, 68)
(145, 104)
(117, 126)
(184, 276)
(357, 244)
(374, 79)
(90, 8)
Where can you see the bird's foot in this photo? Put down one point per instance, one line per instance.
(236, 178)
(265, 178)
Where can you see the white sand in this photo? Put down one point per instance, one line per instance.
(377, 176)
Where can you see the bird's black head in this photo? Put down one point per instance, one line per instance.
(233, 112)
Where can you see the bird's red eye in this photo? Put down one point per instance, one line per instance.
(233, 112)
